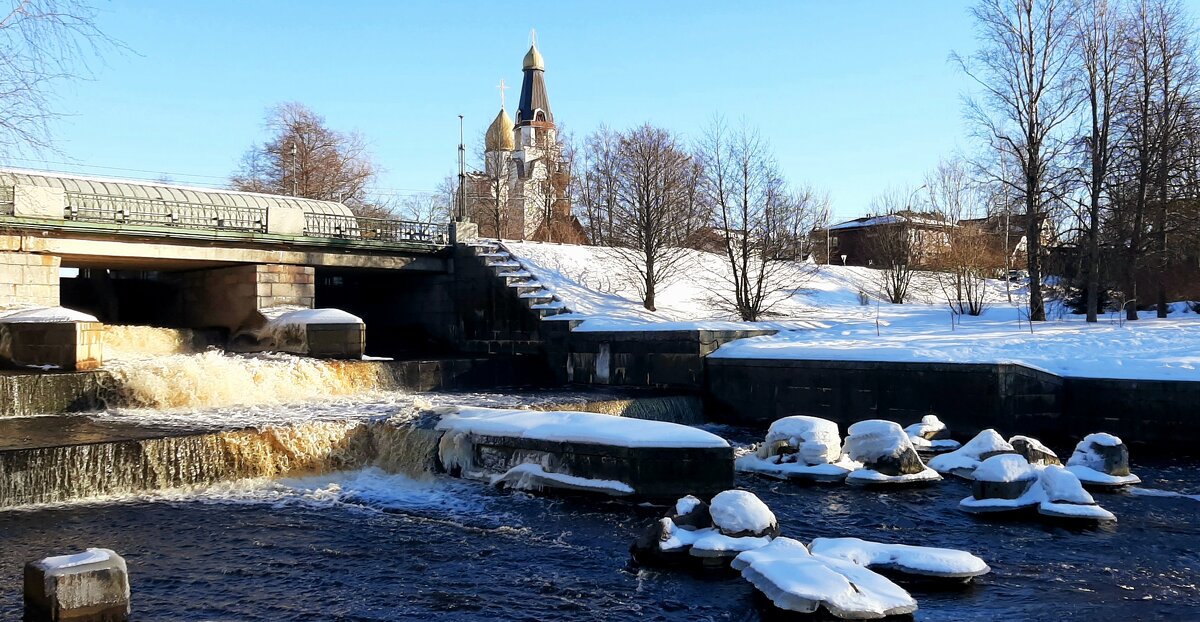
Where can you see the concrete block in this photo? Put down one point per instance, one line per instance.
(282, 220)
(39, 202)
(92, 586)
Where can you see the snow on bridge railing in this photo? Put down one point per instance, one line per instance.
(140, 211)
(375, 229)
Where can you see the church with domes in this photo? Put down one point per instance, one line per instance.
(523, 193)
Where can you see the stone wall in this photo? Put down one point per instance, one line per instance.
(27, 279)
(231, 297)
(1163, 415)
(69, 346)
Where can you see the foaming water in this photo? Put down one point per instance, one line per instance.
(213, 379)
(134, 342)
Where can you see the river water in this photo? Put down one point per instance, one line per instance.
(367, 545)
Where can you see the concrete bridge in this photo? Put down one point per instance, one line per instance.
(166, 255)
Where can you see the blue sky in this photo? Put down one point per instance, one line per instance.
(855, 96)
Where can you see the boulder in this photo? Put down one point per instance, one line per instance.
(1102, 460)
(1003, 483)
(1065, 498)
(930, 428)
(809, 440)
(691, 513)
(1033, 450)
(963, 461)
(738, 513)
(882, 446)
(92, 586)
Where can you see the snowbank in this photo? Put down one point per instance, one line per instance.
(45, 314)
(738, 512)
(576, 427)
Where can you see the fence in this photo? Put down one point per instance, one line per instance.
(374, 229)
(137, 211)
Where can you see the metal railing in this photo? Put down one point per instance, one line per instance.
(374, 229)
(7, 200)
(137, 211)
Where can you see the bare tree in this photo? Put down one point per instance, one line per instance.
(757, 219)
(894, 244)
(1024, 69)
(42, 43)
(650, 212)
(1099, 32)
(968, 257)
(425, 207)
(594, 183)
(303, 157)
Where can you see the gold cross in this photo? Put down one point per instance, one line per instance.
(502, 89)
(532, 36)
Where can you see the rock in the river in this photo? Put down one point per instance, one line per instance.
(795, 580)
(1034, 451)
(1102, 460)
(918, 562)
(92, 586)
(886, 453)
(1065, 498)
(1003, 483)
(962, 461)
(800, 448)
(931, 435)
(738, 513)
(691, 513)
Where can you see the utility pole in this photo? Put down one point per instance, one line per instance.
(295, 178)
(462, 171)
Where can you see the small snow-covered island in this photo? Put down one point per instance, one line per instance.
(386, 315)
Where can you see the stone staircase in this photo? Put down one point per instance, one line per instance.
(517, 279)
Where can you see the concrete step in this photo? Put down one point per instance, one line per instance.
(539, 294)
(494, 255)
(506, 265)
(524, 274)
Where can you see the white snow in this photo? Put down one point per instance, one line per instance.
(63, 562)
(706, 540)
(871, 476)
(751, 463)
(686, 504)
(284, 316)
(871, 439)
(1093, 477)
(1032, 496)
(818, 440)
(1005, 468)
(1033, 443)
(1062, 485)
(1085, 456)
(530, 476)
(45, 314)
(735, 511)
(820, 317)
(797, 581)
(965, 459)
(928, 424)
(576, 427)
(913, 559)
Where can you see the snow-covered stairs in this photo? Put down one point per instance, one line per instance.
(517, 279)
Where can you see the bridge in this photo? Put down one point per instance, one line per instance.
(160, 254)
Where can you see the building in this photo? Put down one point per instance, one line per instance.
(524, 190)
(909, 237)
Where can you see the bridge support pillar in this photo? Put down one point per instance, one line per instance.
(232, 297)
(28, 280)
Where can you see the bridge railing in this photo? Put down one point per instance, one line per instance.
(374, 229)
(138, 211)
(7, 200)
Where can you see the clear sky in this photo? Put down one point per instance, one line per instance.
(855, 96)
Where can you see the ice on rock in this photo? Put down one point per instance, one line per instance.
(800, 448)
(1066, 498)
(887, 455)
(962, 461)
(1102, 460)
(1003, 483)
(795, 580)
(1033, 450)
(738, 513)
(813, 440)
(922, 561)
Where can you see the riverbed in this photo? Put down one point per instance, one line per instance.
(367, 545)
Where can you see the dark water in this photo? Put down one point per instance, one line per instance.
(367, 546)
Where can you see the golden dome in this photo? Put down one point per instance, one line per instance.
(499, 136)
(533, 59)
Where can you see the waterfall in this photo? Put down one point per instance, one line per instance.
(133, 342)
(57, 474)
(681, 409)
(215, 379)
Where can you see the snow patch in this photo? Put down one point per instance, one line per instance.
(576, 427)
(739, 511)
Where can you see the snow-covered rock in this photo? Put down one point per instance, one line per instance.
(45, 314)
(1003, 483)
(1066, 498)
(811, 440)
(800, 448)
(962, 461)
(691, 513)
(930, 435)
(1034, 451)
(886, 453)
(919, 561)
(795, 580)
(738, 513)
(1102, 460)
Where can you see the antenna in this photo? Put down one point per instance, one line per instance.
(532, 36)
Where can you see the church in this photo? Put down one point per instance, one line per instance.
(523, 193)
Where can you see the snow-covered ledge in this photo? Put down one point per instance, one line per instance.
(51, 338)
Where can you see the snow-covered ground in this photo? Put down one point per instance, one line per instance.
(820, 316)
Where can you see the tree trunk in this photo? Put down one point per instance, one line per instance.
(1033, 251)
